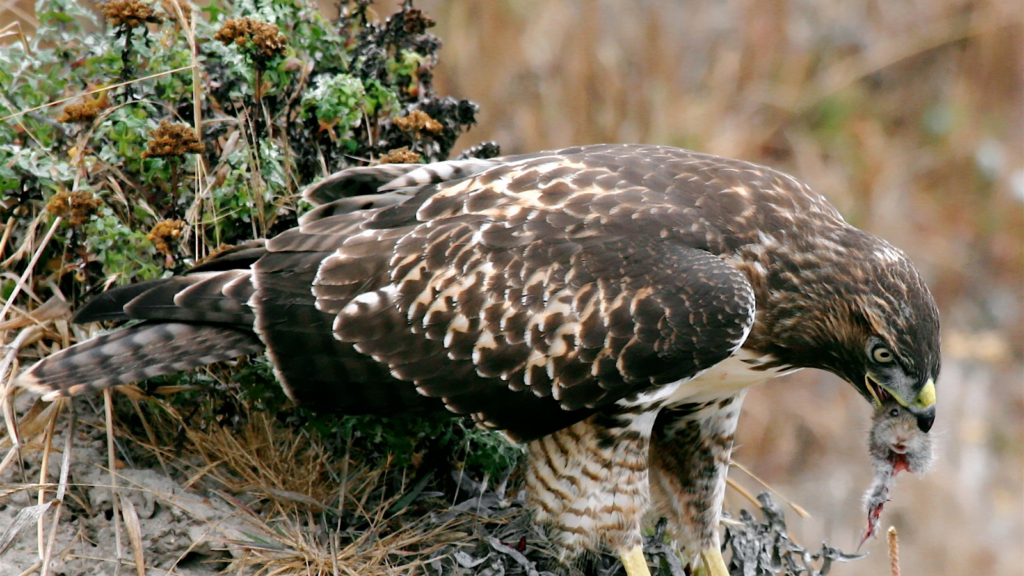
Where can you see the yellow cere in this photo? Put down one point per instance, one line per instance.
(927, 395)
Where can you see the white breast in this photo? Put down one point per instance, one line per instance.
(735, 373)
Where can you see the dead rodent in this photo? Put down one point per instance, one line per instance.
(895, 444)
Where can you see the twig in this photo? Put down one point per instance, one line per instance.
(334, 552)
(131, 524)
(344, 477)
(7, 377)
(27, 336)
(30, 267)
(7, 235)
(65, 469)
(95, 91)
(188, 26)
(796, 507)
(150, 435)
(742, 491)
(29, 235)
(44, 467)
(257, 182)
(14, 28)
(32, 569)
(108, 405)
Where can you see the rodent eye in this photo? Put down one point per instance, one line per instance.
(881, 354)
(894, 412)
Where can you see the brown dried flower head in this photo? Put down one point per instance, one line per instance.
(259, 40)
(418, 121)
(401, 156)
(416, 22)
(74, 207)
(81, 112)
(165, 235)
(129, 13)
(172, 140)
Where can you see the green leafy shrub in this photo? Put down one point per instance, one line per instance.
(179, 131)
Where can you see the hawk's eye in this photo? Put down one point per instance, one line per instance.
(881, 354)
(894, 412)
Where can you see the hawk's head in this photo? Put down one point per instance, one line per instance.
(869, 319)
(893, 348)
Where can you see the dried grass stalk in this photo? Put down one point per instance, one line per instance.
(134, 529)
(108, 406)
(95, 91)
(65, 469)
(30, 268)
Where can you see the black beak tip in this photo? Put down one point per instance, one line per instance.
(925, 419)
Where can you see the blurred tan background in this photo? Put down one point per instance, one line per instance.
(907, 114)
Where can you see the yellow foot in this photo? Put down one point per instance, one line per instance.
(712, 563)
(634, 562)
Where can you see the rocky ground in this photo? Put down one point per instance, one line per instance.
(185, 517)
(177, 528)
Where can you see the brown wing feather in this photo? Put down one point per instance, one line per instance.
(224, 296)
(211, 297)
(315, 368)
(190, 321)
(354, 182)
(369, 180)
(515, 288)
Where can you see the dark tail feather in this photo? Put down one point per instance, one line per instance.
(109, 305)
(226, 286)
(135, 353)
(212, 297)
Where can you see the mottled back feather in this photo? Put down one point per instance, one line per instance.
(500, 293)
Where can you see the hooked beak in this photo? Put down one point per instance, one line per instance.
(923, 407)
(925, 418)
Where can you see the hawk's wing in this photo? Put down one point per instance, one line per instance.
(528, 294)
(527, 291)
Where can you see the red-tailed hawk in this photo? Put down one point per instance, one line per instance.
(607, 304)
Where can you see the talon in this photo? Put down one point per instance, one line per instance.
(712, 563)
(634, 562)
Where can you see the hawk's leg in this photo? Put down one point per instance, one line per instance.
(690, 448)
(589, 483)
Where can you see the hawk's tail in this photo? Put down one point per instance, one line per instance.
(187, 321)
(135, 353)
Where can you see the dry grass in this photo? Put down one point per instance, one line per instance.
(304, 511)
(283, 481)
